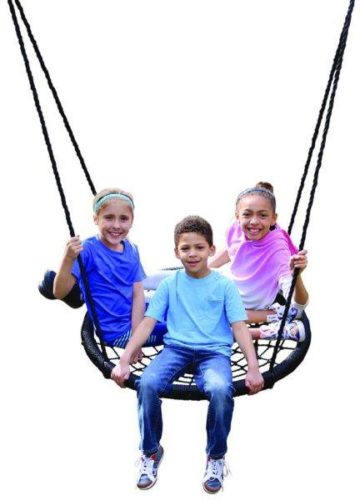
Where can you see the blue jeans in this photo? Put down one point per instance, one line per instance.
(212, 376)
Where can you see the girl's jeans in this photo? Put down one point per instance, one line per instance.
(212, 376)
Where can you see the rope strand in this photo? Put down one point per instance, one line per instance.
(55, 169)
(56, 96)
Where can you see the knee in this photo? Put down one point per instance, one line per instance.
(148, 384)
(219, 389)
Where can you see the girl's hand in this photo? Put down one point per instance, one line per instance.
(137, 356)
(254, 381)
(73, 248)
(120, 373)
(299, 261)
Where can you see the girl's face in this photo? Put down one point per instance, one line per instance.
(114, 220)
(255, 215)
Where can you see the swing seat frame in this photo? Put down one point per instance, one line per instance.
(289, 357)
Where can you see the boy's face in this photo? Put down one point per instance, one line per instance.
(193, 250)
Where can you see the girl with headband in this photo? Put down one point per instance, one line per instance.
(262, 259)
(113, 269)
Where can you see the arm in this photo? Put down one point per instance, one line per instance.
(254, 380)
(220, 259)
(64, 280)
(121, 372)
(301, 295)
(137, 313)
(138, 305)
(258, 316)
(300, 261)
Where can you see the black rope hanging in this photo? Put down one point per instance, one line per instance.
(50, 149)
(329, 103)
(100, 357)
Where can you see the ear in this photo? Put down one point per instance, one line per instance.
(176, 253)
(96, 219)
(212, 251)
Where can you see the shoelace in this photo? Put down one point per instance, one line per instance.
(146, 466)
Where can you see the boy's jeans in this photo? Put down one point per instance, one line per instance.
(212, 375)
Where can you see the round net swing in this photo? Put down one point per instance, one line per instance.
(289, 355)
(277, 358)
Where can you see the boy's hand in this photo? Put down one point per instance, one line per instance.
(121, 372)
(73, 248)
(299, 261)
(254, 381)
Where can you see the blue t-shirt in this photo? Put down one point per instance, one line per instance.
(198, 312)
(111, 276)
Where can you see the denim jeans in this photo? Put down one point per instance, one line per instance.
(212, 376)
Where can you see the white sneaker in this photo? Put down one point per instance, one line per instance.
(149, 469)
(292, 331)
(216, 471)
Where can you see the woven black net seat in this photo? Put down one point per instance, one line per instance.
(289, 355)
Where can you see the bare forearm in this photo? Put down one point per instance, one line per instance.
(243, 338)
(139, 337)
(301, 295)
(259, 316)
(64, 280)
(138, 307)
(220, 259)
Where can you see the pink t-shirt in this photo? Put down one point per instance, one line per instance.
(257, 267)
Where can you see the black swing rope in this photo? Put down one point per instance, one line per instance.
(102, 360)
(331, 85)
(50, 149)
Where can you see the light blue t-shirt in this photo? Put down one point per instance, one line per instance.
(198, 311)
(111, 277)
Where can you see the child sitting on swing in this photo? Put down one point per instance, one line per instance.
(262, 259)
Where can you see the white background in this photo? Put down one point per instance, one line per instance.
(184, 103)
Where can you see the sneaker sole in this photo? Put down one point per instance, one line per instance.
(211, 492)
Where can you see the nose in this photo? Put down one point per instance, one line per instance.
(254, 220)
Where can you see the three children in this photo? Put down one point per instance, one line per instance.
(203, 310)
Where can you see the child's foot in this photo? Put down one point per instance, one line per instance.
(149, 469)
(293, 313)
(72, 299)
(216, 471)
(292, 331)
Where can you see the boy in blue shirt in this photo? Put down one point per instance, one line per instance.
(204, 312)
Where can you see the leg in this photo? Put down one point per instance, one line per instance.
(73, 298)
(214, 377)
(165, 368)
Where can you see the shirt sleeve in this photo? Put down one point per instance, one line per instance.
(140, 274)
(159, 303)
(234, 307)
